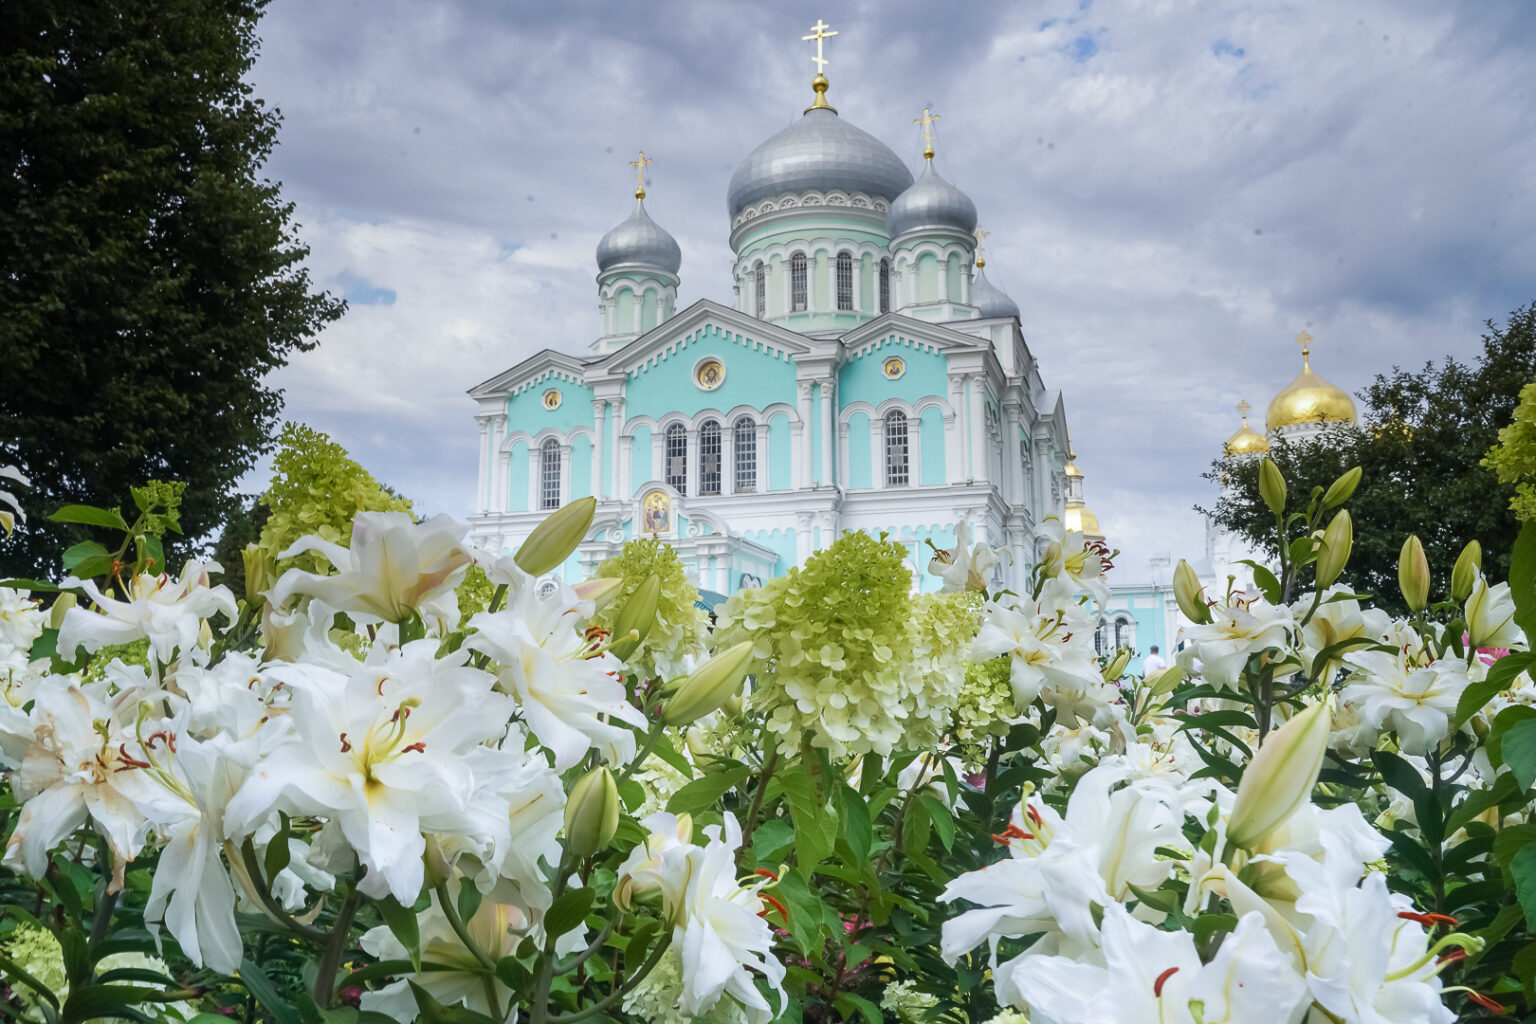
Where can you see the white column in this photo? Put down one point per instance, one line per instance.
(802, 475)
(954, 432)
(978, 430)
(727, 457)
(762, 457)
(1012, 483)
(599, 445)
(802, 537)
(877, 451)
(828, 467)
(499, 462)
(622, 487)
(965, 284)
(693, 474)
(483, 472)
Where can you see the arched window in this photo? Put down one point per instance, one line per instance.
(677, 458)
(709, 457)
(797, 293)
(885, 286)
(760, 291)
(844, 280)
(896, 449)
(549, 474)
(746, 455)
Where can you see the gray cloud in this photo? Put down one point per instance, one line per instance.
(1174, 191)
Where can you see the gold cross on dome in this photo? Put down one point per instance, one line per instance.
(1243, 408)
(639, 163)
(1305, 341)
(818, 33)
(927, 122)
(981, 238)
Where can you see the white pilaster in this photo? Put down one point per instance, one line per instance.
(483, 473)
(599, 445)
(978, 460)
(954, 427)
(828, 467)
(802, 475)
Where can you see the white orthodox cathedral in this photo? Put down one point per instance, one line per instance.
(865, 375)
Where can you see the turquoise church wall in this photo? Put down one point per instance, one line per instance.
(581, 467)
(778, 452)
(933, 447)
(861, 378)
(782, 542)
(525, 410)
(818, 471)
(860, 461)
(517, 478)
(753, 376)
(640, 458)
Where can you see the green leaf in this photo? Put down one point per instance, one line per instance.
(703, 793)
(1510, 841)
(1503, 722)
(89, 515)
(1524, 967)
(1264, 580)
(94, 1001)
(1519, 751)
(1522, 578)
(1206, 925)
(403, 925)
(278, 854)
(1523, 870)
(849, 1003)
(856, 825)
(771, 839)
(469, 899)
(805, 910)
(1399, 774)
(1501, 675)
(942, 818)
(640, 943)
(511, 972)
(84, 551)
(568, 911)
(262, 990)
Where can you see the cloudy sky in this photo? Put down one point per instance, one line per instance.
(1175, 188)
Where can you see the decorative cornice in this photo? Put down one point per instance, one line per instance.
(800, 200)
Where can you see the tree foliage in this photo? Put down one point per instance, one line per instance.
(149, 279)
(1422, 437)
(1514, 457)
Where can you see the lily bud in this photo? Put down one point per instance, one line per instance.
(635, 619)
(1338, 539)
(553, 540)
(1272, 486)
(1342, 489)
(61, 604)
(710, 686)
(1413, 573)
(1116, 667)
(592, 813)
(1190, 594)
(599, 591)
(260, 572)
(1280, 777)
(1464, 576)
(1490, 615)
(1165, 681)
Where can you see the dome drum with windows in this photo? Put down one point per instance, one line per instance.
(865, 375)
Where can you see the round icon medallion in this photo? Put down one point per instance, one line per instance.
(709, 374)
(894, 367)
(552, 399)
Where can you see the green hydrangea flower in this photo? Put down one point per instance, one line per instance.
(680, 634)
(984, 709)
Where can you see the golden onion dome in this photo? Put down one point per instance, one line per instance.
(1245, 440)
(1309, 398)
(1072, 470)
(1080, 519)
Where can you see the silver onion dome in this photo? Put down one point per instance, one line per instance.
(931, 203)
(990, 300)
(639, 241)
(819, 152)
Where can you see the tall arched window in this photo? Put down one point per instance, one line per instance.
(746, 455)
(797, 292)
(709, 457)
(885, 286)
(844, 280)
(677, 458)
(549, 474)
(896, 472)
(760, 291)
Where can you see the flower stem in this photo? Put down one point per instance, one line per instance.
(335, 946)
(451, 912)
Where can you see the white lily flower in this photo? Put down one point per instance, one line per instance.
(394, 568)
(570, 697)
(1333, 622)
(1415, 701)
(963, 567)
(168, 613)
(380, 752)
(1238, 630)
(1072, 558)
(1490, 614)
(21, 620)
(1049, 647)
(10, 509)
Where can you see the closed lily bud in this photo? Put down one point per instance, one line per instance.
(61, 604)
(260, 572)
(1272, 486)
(634, 621)
(599, 591)
(1280, 777)
(710, 686)
(1413, 573)
(1464, 576)
(553, 540)
(1342, 489)
(591, 813)
(1116, 667)
(1338, 539)
(1190, 594)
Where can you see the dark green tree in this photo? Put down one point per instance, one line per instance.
(1420, 445)
(149, 278)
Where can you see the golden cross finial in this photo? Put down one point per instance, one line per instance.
(927, 122)
(981, 238)
(1243, 408)
(1305, 341)
(638, 163)
(819, 32)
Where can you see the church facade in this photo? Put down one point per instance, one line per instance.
(865, 376)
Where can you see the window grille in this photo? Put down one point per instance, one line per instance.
(677, 458)
(885, 286)
(760, 290)
(797, 297)
(844, 280)
(896, 449)
(549, 474)
(746, 456)
(709, 457)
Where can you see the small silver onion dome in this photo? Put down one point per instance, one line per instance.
(990, 300)
(639, 240)
(819, 152)
(931, 203)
